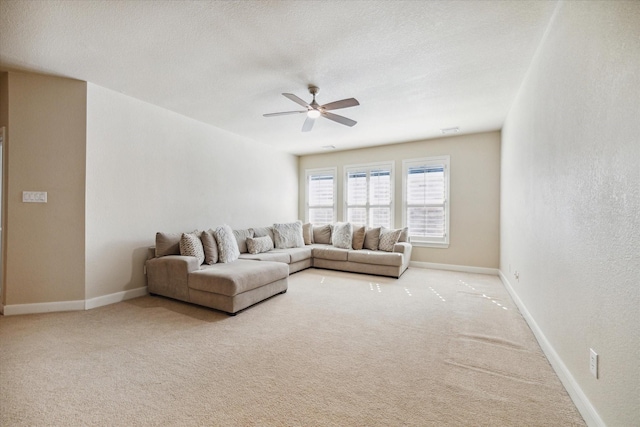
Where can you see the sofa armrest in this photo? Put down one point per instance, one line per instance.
(403, 247)
(168, 275)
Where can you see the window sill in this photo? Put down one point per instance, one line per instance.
(439, 245)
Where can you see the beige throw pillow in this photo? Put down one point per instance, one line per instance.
(404, 235)
(371, 238)
(388, 239)
(191, 245)
(358, 237)
(307, 233)
(257, 245)
(241, 237)
(210, 247)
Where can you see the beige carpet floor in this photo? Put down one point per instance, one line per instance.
(433, 348)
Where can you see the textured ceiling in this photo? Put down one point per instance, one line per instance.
(415, 66)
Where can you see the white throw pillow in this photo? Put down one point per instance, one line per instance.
(288, 235)
(258, 245)
(341, 235)
(191, 245)
(227, 244)
(388, 239)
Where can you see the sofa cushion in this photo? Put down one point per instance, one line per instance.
(263, 231)
(358, 237)
(372, 238)
(191, 245)
(241, 237)
(234, 278)
(388, 239)
(273, 256)
(330, 253)
(298, 254)
(307, 233)
(341, 235)
(210, 247)
(288, 235)
(257, 245)
(227, 244)
(322, 234)
(168, 244)
(376, 257)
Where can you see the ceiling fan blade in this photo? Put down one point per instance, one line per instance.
(344, 103)
(296, 99)
(340, 119)
(284, 113)
(308, 124)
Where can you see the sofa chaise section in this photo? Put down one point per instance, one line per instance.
(228, 287)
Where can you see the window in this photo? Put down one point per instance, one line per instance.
(320, 195)
(369, 194)
(426, 200)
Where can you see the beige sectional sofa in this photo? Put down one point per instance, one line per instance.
(233, 283)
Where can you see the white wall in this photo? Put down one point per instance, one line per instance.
(149, 170)
(570, 203)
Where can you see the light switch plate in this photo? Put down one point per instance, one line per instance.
(34, 197)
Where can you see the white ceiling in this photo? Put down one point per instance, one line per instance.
(415, 66)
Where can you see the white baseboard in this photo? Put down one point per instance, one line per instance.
(453, 267)
(586, 409)
(114, 298)
(48, 307)
(43, 307)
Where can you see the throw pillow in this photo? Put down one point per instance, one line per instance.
(404, 235)
(322, 234)
(241, 237)
(388, 239)
(168, 244)
(257, 245)
(307, 233)
(342, 235)
(263, 231)
(372, 238)
(190, 245)
(288, 235)
(358, 237)
(227, 244)
(210, 247)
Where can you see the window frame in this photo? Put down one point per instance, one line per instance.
(368, 167)
(440, 242)
(333, 171)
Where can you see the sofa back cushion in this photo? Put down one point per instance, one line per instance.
(263, 231)
(168, 244)
(307, 233)
(322, 234)
(371, 239)
(241, 237)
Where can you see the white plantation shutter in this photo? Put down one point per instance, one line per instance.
(321, 186)
(426, 199)
(369, 198)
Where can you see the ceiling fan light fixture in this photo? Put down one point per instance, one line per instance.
(314, 114)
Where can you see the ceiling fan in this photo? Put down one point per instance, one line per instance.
(315, 110)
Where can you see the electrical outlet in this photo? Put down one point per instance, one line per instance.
(593, 362)
(517, 275)
(144, 270)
